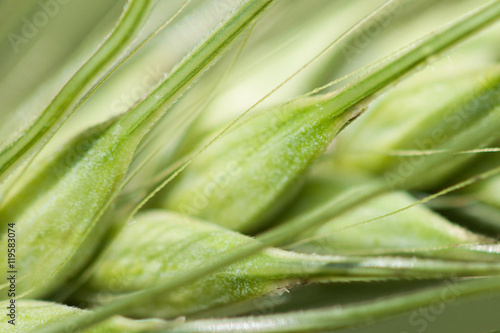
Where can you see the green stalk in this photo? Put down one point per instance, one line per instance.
(76, 90)
(390, 267)
(331, 318)
(417, 54)
(411, 58)
(188, 70)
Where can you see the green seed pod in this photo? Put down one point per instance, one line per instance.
(161, 245)
(247, 175)
(32, 315)
(430, 119)
(165, 244)
(52, 210)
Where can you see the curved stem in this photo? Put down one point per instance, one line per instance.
(320, 320)
(77, 89)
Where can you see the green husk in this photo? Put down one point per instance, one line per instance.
(166, 244)
(206, 189)
(257, 164)
(55, 206)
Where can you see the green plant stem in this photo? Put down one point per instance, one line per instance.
(331, 318)
(190, 68)
(393, 267)
(415, 56)
(75, 91)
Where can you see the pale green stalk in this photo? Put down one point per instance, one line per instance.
(327, 319)
(76, 90)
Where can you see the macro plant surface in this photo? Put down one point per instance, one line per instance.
(250, 166)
